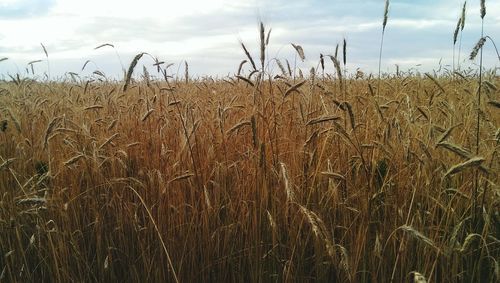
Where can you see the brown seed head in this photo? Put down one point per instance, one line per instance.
(476, 48)
(483, 9)
(386, 14)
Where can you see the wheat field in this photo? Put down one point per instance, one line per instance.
(270, 175)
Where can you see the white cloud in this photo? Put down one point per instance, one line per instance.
(412, 24)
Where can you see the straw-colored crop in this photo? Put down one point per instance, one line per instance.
(259, 176)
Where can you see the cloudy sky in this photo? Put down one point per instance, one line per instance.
(206, 34)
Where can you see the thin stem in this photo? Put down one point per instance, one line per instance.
(476, 179)
(459, 50)
(169, 260)
(380, 60)
(494, 45)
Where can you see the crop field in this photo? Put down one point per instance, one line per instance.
(274, 174)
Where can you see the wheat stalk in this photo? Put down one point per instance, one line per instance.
(146, 115)
(6, 163)
(483, 9)
(128, 76)
(336, 63)
(346, 106)
(289, 68)
(248, 55)
(321, 120)
(322, 62)
(109, 140)
(294, 88)
(300, 51)
(240, 67)
(435, 81)
(133, 144)
(334, 175)
(262, 46)
(112, 124)
(494, 103)
(462, 18)
(477, 47)
(182, 177)
(462, 25)
(290, 194)
(455, 148)
(446, 134)
(236, 127)
(384, 23)
(419, 236)
(472, 162)
(282, 68)
(457, 29)
(50, 127)
(73, 159)
(386, 14)
(15, 120)
(245, 80)
(344, 52)
(478, 123)
(92, 107)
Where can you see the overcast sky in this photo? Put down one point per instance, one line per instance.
(206, 34)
